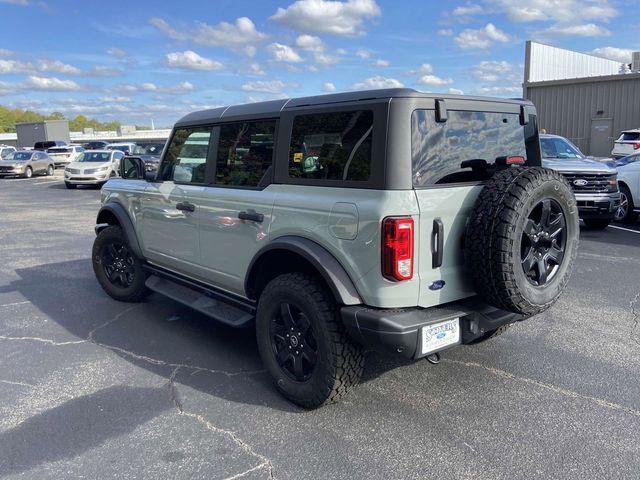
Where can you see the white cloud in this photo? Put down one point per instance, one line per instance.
(283, 53)
(102, 71)
(190, 60)
(329, 87)
(381, 63)
(456, 91)
(434, 80)
(310, 43)
(468, 9)
(581, 30)
(569, 11)
(377, 82)
(241, 35)
(268, 86)
(423, 69)
(256, 69)
(492, 70)
(57, 66)
(14, 66)
(21, 3)
(332, 17)
(500, 90)
(622, 55)
(50, 84)
(445, 32)
(181, 87)
(120, 99)
(117, 52)
(481, 38)
(363, 53)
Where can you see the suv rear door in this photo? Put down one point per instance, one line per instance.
(450, 161)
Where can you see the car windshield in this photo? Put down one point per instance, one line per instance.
(94, 157)
(559, 148)
(19, 156)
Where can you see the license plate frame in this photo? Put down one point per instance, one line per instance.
(439, 335)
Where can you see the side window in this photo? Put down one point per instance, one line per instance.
(332, 146)
(468, 147)
(245, 153)
(186, 157)
(118, 155)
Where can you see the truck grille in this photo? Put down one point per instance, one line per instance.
(74, 171)
(589, 182)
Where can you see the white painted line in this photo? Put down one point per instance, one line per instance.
(44, 182)
(12, 304)
(625, 229)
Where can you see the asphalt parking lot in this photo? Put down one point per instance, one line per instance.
(93, 388)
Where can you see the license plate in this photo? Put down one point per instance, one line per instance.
(440, 335)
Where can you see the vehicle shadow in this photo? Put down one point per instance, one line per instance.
(159, 335)
(611, 236)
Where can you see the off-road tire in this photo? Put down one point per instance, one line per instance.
(494, 233)
(596, 223)
(491, 334)
(340, 360)
(137, 290)
(70, 186)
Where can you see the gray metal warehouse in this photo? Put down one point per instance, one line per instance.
(582, 97)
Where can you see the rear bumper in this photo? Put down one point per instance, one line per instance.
(399, 330)
(603, 205)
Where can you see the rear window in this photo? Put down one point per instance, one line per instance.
(629, 137)
(60, 150)
(332, 146)
(465, 147)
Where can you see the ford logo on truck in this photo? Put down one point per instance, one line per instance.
(581, 182)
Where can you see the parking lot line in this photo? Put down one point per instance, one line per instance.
(625, 229)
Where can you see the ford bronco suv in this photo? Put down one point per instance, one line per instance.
(391, 220)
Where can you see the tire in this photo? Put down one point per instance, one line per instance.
(519, 257)
(625, 213)
(491, 334)
(50, 171)
(117, 269)
(289, 305)
(28, 172)
(597, 223)
(70, 186)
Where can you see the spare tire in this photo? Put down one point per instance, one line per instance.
(522, 238)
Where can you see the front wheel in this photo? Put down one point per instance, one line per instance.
(50, 171)
(597, 223)
(303, 343)
(625, 213)
(117, 269)
(28, 173)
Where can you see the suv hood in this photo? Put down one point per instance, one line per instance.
(578, 165)
(83, 165)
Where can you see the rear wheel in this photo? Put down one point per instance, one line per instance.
(597, 223)
(118, 270)
(625, 213)
(303, 343)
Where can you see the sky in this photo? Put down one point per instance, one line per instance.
(144, 61)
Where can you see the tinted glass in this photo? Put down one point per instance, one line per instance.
(129, 168)
(245, 153)
(94, 157)
(186, 158)
(20, 156)
(630, 136)
(332, 146)
(465, 147)
(60, 150)
(559, 148)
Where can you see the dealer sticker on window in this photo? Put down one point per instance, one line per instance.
(440, 335)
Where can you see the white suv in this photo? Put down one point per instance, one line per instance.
(627, 144)
(65, 155)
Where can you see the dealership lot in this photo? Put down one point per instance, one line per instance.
(95, 388)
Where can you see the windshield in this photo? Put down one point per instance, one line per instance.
(19, 156)
(559, 148)
(94, 157)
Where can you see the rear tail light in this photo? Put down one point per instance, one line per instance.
(397, 248)
(515, 160)
(636, 146)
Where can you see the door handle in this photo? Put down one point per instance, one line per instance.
(251, 215)
(437, 243)
(186, 206)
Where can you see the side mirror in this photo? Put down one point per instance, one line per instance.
(132, 168)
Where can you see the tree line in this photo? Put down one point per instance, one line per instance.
(10, 116)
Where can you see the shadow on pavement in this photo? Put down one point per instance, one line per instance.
(79, 425)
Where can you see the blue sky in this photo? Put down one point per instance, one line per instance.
(142, 60)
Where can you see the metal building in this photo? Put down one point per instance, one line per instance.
(31, 132)
(581, 96)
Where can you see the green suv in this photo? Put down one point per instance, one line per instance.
(391, 220)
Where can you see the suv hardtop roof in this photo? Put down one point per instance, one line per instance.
(276, 106)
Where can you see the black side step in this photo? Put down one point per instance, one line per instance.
(212, 303)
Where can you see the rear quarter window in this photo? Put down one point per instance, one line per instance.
(465, 147)
(630, 136)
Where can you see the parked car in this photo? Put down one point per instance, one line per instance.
(594, 183)
(6, 150)
(26, 163)
(95, 145)
(338, 222)
(150, 155)
(93, 167)
(629, 182)
(126, 147)
(65, 155)
(626, 144)
(44, 146)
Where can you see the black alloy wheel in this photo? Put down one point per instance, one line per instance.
(118, 265)
(293, 342)
(543, 242)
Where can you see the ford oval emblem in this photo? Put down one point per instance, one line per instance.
(441, 335)
(437, 285)
(580, 182)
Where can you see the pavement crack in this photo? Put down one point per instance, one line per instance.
(173, 391)
(635, 318)
(559, 390)
(109, 322)
(42, 340)
(22, 384)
